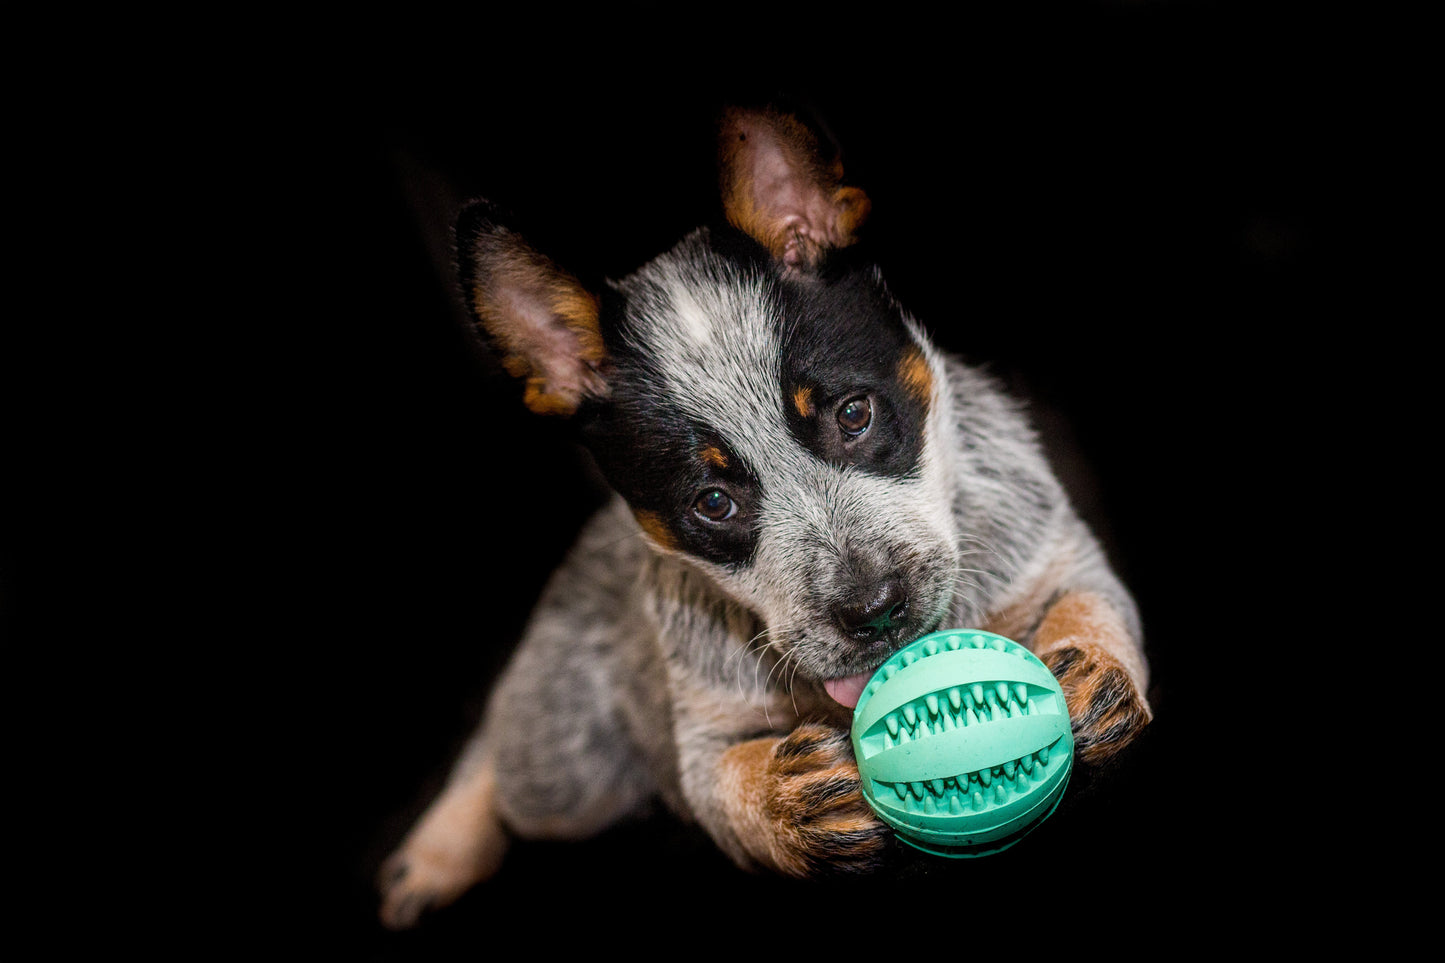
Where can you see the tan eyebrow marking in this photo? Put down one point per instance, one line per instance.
(803, 401)
(916, 376)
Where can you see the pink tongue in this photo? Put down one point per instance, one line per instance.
(847, 691)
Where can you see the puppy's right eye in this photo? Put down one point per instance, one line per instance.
(855, 416)
(715, 505)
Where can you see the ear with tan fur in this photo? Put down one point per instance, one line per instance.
(541, 320)
(778, 187)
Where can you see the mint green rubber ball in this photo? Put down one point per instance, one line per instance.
(963, 743)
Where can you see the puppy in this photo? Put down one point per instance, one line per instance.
(804, 484)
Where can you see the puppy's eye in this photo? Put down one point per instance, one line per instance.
(715, 505)
(855, 416)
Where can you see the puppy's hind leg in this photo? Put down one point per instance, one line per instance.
(458, 842)
(550, 761)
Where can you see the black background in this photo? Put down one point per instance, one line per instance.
(1127, 210)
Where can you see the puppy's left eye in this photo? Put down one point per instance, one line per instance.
(855, 416)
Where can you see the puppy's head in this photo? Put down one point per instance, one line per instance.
(767, 410)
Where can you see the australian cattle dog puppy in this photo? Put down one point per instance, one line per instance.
(804, 484)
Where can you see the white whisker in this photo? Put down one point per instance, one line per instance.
(744, 649)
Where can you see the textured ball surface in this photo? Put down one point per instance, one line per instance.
(963, 742)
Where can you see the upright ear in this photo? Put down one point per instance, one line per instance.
(540, 319)
(779, 187)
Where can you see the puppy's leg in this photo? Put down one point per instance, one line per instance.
(456, 843)
(558, 754)
(795, 804)
(787, 801)
(549, 762)
(1085, 642)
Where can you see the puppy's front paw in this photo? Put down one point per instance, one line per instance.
(1106, 709)
(814, 805)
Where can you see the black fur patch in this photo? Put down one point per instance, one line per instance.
(846, 339)
(671, 476)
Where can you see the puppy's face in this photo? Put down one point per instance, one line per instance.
(779, 432)
(764, 406)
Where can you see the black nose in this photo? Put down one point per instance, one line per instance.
(868, 620)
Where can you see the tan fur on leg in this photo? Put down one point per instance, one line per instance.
(1084, 643)
(458, 842)
(796, 805)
